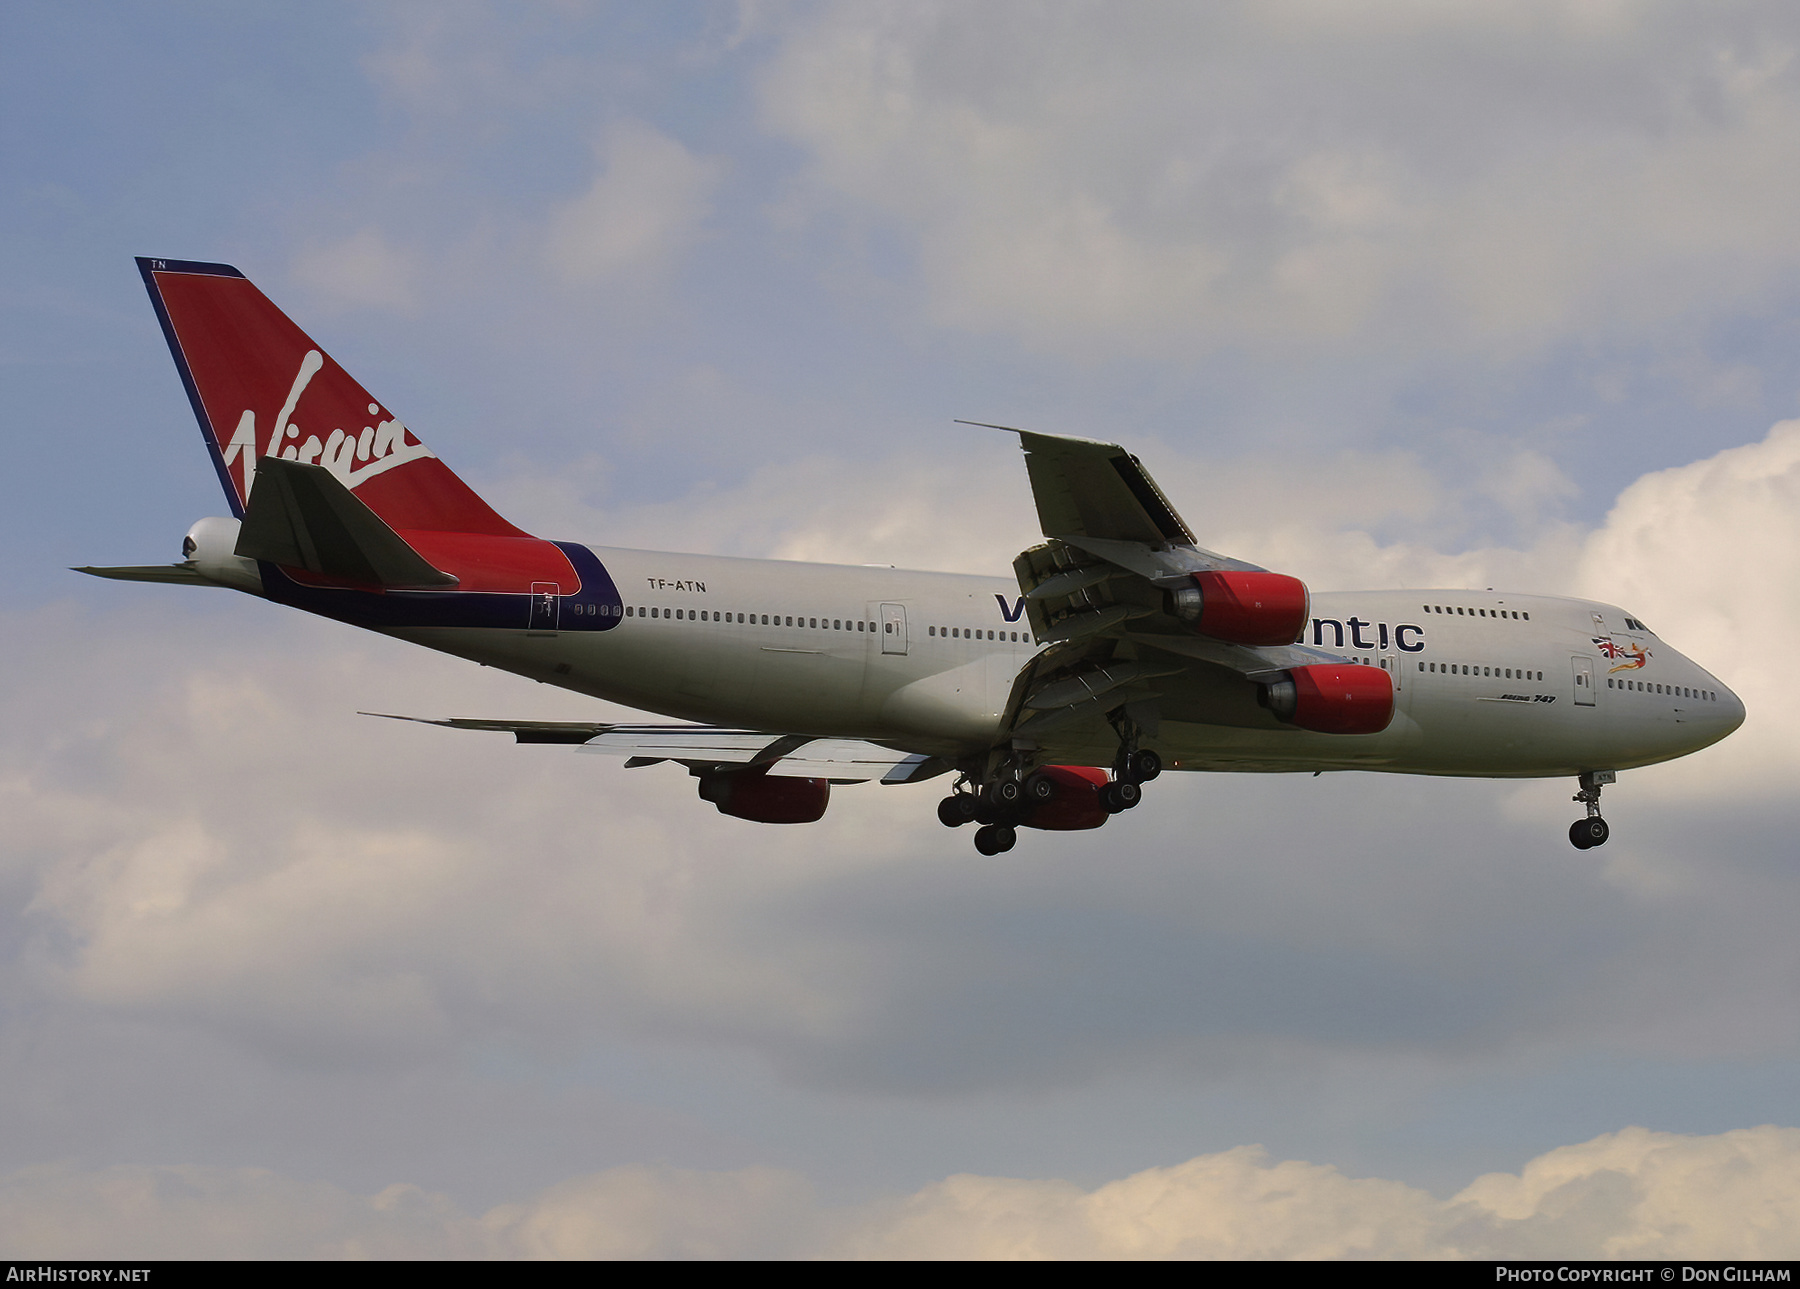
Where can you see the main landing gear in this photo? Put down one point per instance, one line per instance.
(1133, 767)
(1585, 834)
(998, 807)
(1012, 797)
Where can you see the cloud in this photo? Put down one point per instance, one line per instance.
(1282, 174)
(361, 271)
(1639, 1194)
(1633, 1194)
(649, 202)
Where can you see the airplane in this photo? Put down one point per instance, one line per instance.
(1119, 649)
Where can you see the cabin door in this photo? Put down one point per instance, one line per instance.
(893, 628)
(1584, 680)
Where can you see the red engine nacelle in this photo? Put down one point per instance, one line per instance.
(1334, 698)
(766, 798)
(1076, 804)
(1245, 608)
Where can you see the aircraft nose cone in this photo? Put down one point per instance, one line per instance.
(1733, 712)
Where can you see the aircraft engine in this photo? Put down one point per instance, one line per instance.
(766, 798)
(1076, 802)
(1245, 608)
(1333, 698)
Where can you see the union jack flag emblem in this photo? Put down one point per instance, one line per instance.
(1626, 657)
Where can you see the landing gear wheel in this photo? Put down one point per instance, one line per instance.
(1040, 788)
(956, 810)
(1143, 765)
(996, 839)
(1585, 834)
(1120, 795)
(1006, 793)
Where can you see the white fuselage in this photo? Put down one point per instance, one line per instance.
(1486, 684)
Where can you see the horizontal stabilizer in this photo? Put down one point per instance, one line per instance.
(184, 573)
(302, 516)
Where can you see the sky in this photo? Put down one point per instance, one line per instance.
(1383, 294)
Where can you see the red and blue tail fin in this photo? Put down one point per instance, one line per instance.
(261, 388)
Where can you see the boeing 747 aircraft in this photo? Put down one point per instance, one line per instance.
(1120, 649)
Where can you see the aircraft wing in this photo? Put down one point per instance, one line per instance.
(1105, 590)
(712, 747)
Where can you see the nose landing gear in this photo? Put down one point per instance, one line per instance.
(1585, 834)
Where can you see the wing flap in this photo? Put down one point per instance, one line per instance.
(713, 747)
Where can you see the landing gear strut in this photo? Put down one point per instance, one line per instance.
(1585, 834)
(1133, 767)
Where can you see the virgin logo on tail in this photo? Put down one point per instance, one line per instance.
(353, 458)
